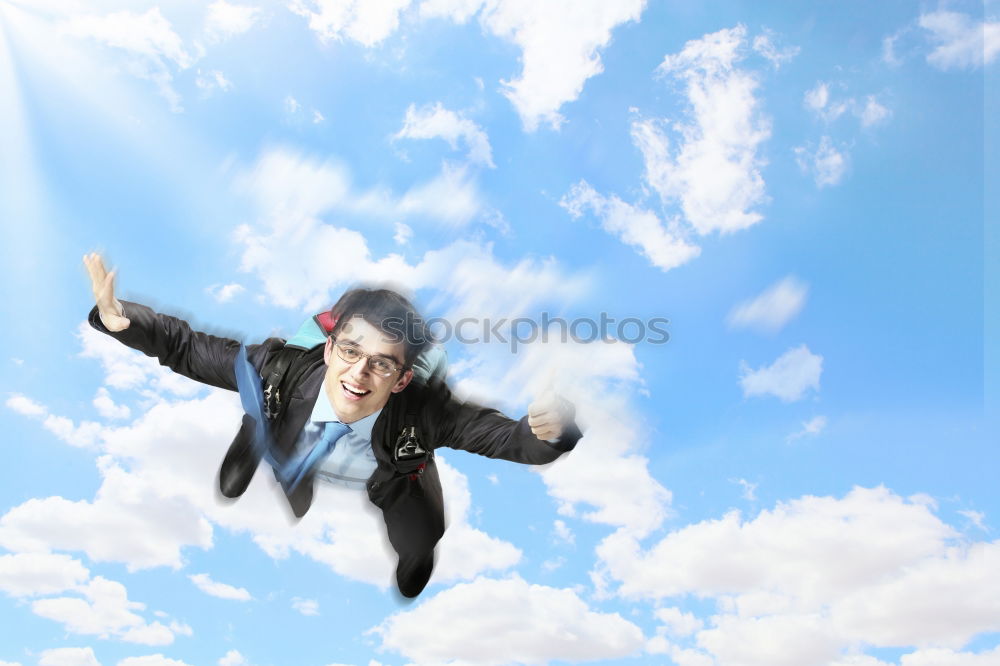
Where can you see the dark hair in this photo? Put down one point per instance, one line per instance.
(387, 311)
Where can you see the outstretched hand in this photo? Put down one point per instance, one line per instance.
(549, 415)
(102, 282)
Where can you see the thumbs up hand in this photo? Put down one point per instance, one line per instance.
(549, 415)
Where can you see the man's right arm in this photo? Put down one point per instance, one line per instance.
(205, 358)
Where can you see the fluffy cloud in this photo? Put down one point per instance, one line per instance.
(810, 428)
(26, 406)
(223, 293)
(678, 623)
(663, 247)
(816, 576)
(960, 42)
(435, 121)
(788, 378)
(306, 606)
(107, 407)
(217, 589)
(68, 657)
(126, 369)
(368, 23)
(764, 45)
(32, 574)
(151, 660)
(104, 611)
(550, 624)
(714, 174)
(289, 248)
(827, 164)
(772, 308)
(818, 101)
(224, 20)
(211, 80)
(873, 112)
(559, 42)
(148, 39)
(128, 521)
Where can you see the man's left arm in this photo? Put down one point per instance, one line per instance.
(548, 431)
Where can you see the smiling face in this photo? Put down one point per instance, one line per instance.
(353, 389)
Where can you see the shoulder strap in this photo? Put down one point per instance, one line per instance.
(282, 373)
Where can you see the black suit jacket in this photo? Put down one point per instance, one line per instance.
(408, 492)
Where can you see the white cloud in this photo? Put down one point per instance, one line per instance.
(26, 406)
(225, 20)
(368, 23)
(126, 368)
(107, 407)
(550, 624)
(128, 521)
(562, 532)
(788, 378)
(459, 11)
(33, 574)
(105, 611)
(306, 606)
(827, 164)
(817, 576)
(773, 308)
(403, 233)
(764, 45)
(977, 518)
(715, 172)
(961, 42)
(662, 246)
(810, 428)
(217, 589)
(147, 34)
(434, 121)
(151, 660)
(223, 293)
(873, 112)
(749, 489)
(85, 435)
(148, 38)
(211, 80)
(317, 117)
(290, 247)
(560, 42)
(233, 658)
(818, 101)
(678, 623)
(68, 657)
(292, 105)
(946, 657)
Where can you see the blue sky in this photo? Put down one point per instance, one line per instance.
(803, 474)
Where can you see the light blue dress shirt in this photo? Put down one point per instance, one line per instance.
(352, 461)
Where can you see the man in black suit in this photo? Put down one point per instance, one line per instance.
(379, 428)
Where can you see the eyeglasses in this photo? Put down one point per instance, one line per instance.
(382, 366)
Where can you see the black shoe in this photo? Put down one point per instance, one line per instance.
(241, 461)
(301, 498)
(412, 574)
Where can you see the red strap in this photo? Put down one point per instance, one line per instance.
(326, 321)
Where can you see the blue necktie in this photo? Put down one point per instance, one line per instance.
(296, 471)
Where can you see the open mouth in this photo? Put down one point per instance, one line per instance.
(353, 392)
